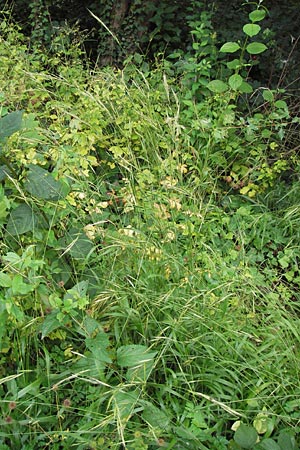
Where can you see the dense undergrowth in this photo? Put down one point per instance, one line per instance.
(149, 251)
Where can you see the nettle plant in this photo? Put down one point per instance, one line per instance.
(234, 131)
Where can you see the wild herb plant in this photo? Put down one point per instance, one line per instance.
(147, 303)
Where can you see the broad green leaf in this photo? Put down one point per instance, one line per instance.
(5, 280)
(230, 47)
(234, 64)
(4, 171)
(21, 220)
(245, 436)
(258, 15)
(268, 95)
(19, 287)
(124, 404)
(245, 88)
(41, 184)
(286, 441)
(255, 48)
(235, 81)
(98, 346)
(155, 417)
(10, 123)
(76, 243)
(90, 325)
(217, 86)
(251, 29)
(134, 355)
(50, 324)
(267, 444)
(77, 291)
(281, 104)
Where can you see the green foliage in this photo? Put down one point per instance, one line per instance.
(147, 298)
(218, 102)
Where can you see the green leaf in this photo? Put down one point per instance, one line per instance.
(98, 346)
(281, 104)
(10, 123)
(268, 95)
(19, 287)
(234, 64)
(77, 291)
(286, 441)
(50, 324)
(267, 444)
(134, 355)
(258, 15)
(4, 171)
(245, 436)
(217, 86)
(235, 81)
(124, 403)
(255, 48)
(41, 184)
(230, 47)
(246, 88)
(155, 417)
(5, 280)
(76, 243)
(21, 220)
(251, 29)
(90, 326)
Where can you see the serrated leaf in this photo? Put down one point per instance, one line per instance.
(251, 29)
(41, 184)
(10, 123)
(255, 48)
(245, 436)
(21, 220)
(50, 324)
(230, 47)
(134, 355)
(155, 417)
(268, 95)
(258, 15)
(90, 325)
(98, 346)
(235, 81)
(217, 86)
